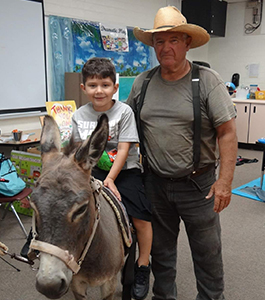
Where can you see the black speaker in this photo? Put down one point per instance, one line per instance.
(235, 79)
(209, 14)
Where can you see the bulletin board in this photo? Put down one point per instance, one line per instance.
(72, 42)
(22, 57)
(125, 87)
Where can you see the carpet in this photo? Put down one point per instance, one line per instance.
(250, 189)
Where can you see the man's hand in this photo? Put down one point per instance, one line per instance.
(3, 247)
(221, 191)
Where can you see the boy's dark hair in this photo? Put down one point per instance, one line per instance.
(98, 67)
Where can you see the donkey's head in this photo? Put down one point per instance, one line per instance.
(62, 199)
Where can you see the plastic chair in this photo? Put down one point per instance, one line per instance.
(5, 199)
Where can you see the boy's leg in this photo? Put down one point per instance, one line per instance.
(130, 186)
(25, 249)
(144, 235)
(142, 266)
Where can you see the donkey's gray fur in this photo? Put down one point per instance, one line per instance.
(65, 211)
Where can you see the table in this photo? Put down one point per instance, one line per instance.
(34, 139)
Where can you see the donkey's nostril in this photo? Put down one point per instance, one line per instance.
(63, 286)
(53, 290)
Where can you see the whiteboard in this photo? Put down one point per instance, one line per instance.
(23, 75)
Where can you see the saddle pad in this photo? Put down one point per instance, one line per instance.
(121, 214)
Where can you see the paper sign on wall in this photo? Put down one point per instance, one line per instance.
(253, 70)
(114, 38)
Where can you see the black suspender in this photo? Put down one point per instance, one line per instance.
(197, 116)
(139, 107)
(196, 112)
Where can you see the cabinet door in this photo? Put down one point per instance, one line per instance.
(242, 120)
(257, 123)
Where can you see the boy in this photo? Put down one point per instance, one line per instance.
(124, 177)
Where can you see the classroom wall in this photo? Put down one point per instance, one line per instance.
(237, 51)
(124, 12)
(121, 12)
(227, 55)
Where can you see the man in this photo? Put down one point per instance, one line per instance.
(177, 190)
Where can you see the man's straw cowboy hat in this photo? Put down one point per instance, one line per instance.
(170, 19)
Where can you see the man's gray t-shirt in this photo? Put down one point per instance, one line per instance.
(122, 128)
(167, 120)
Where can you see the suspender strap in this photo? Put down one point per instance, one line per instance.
(139, 107)
(196, 112)
(197, 116)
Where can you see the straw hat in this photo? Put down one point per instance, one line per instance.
(170, 19)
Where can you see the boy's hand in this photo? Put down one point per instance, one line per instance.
(109, 183)
(3, 247)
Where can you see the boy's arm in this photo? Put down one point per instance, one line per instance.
(122, 154)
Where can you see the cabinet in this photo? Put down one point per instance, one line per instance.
(250, 121)
(242, 121)
(209, 14)
(73, 90)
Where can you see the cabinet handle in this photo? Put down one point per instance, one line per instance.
(246, 109)
(254, 109)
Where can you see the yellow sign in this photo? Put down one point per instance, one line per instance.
(62, 112)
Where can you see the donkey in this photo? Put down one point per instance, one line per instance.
(73, 224)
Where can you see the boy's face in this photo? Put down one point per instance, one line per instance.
(100, 92)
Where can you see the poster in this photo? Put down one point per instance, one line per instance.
(74, 41)
(114, 38)
(62, 112)
(87, 44)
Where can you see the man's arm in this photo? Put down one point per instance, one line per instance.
(222, 188)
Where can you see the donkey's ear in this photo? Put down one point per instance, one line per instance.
(50, 136)
(91, 150)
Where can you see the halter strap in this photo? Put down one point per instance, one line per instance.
(64, 255)
(96, 187)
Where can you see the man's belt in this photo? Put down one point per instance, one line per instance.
(194, 174)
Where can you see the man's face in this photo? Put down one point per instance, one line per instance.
(170, 48)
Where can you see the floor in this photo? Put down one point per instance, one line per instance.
(243, 232)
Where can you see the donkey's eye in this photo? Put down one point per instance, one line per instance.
(79, 212)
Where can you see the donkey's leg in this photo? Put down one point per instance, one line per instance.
(108, 289)
(79, 289)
